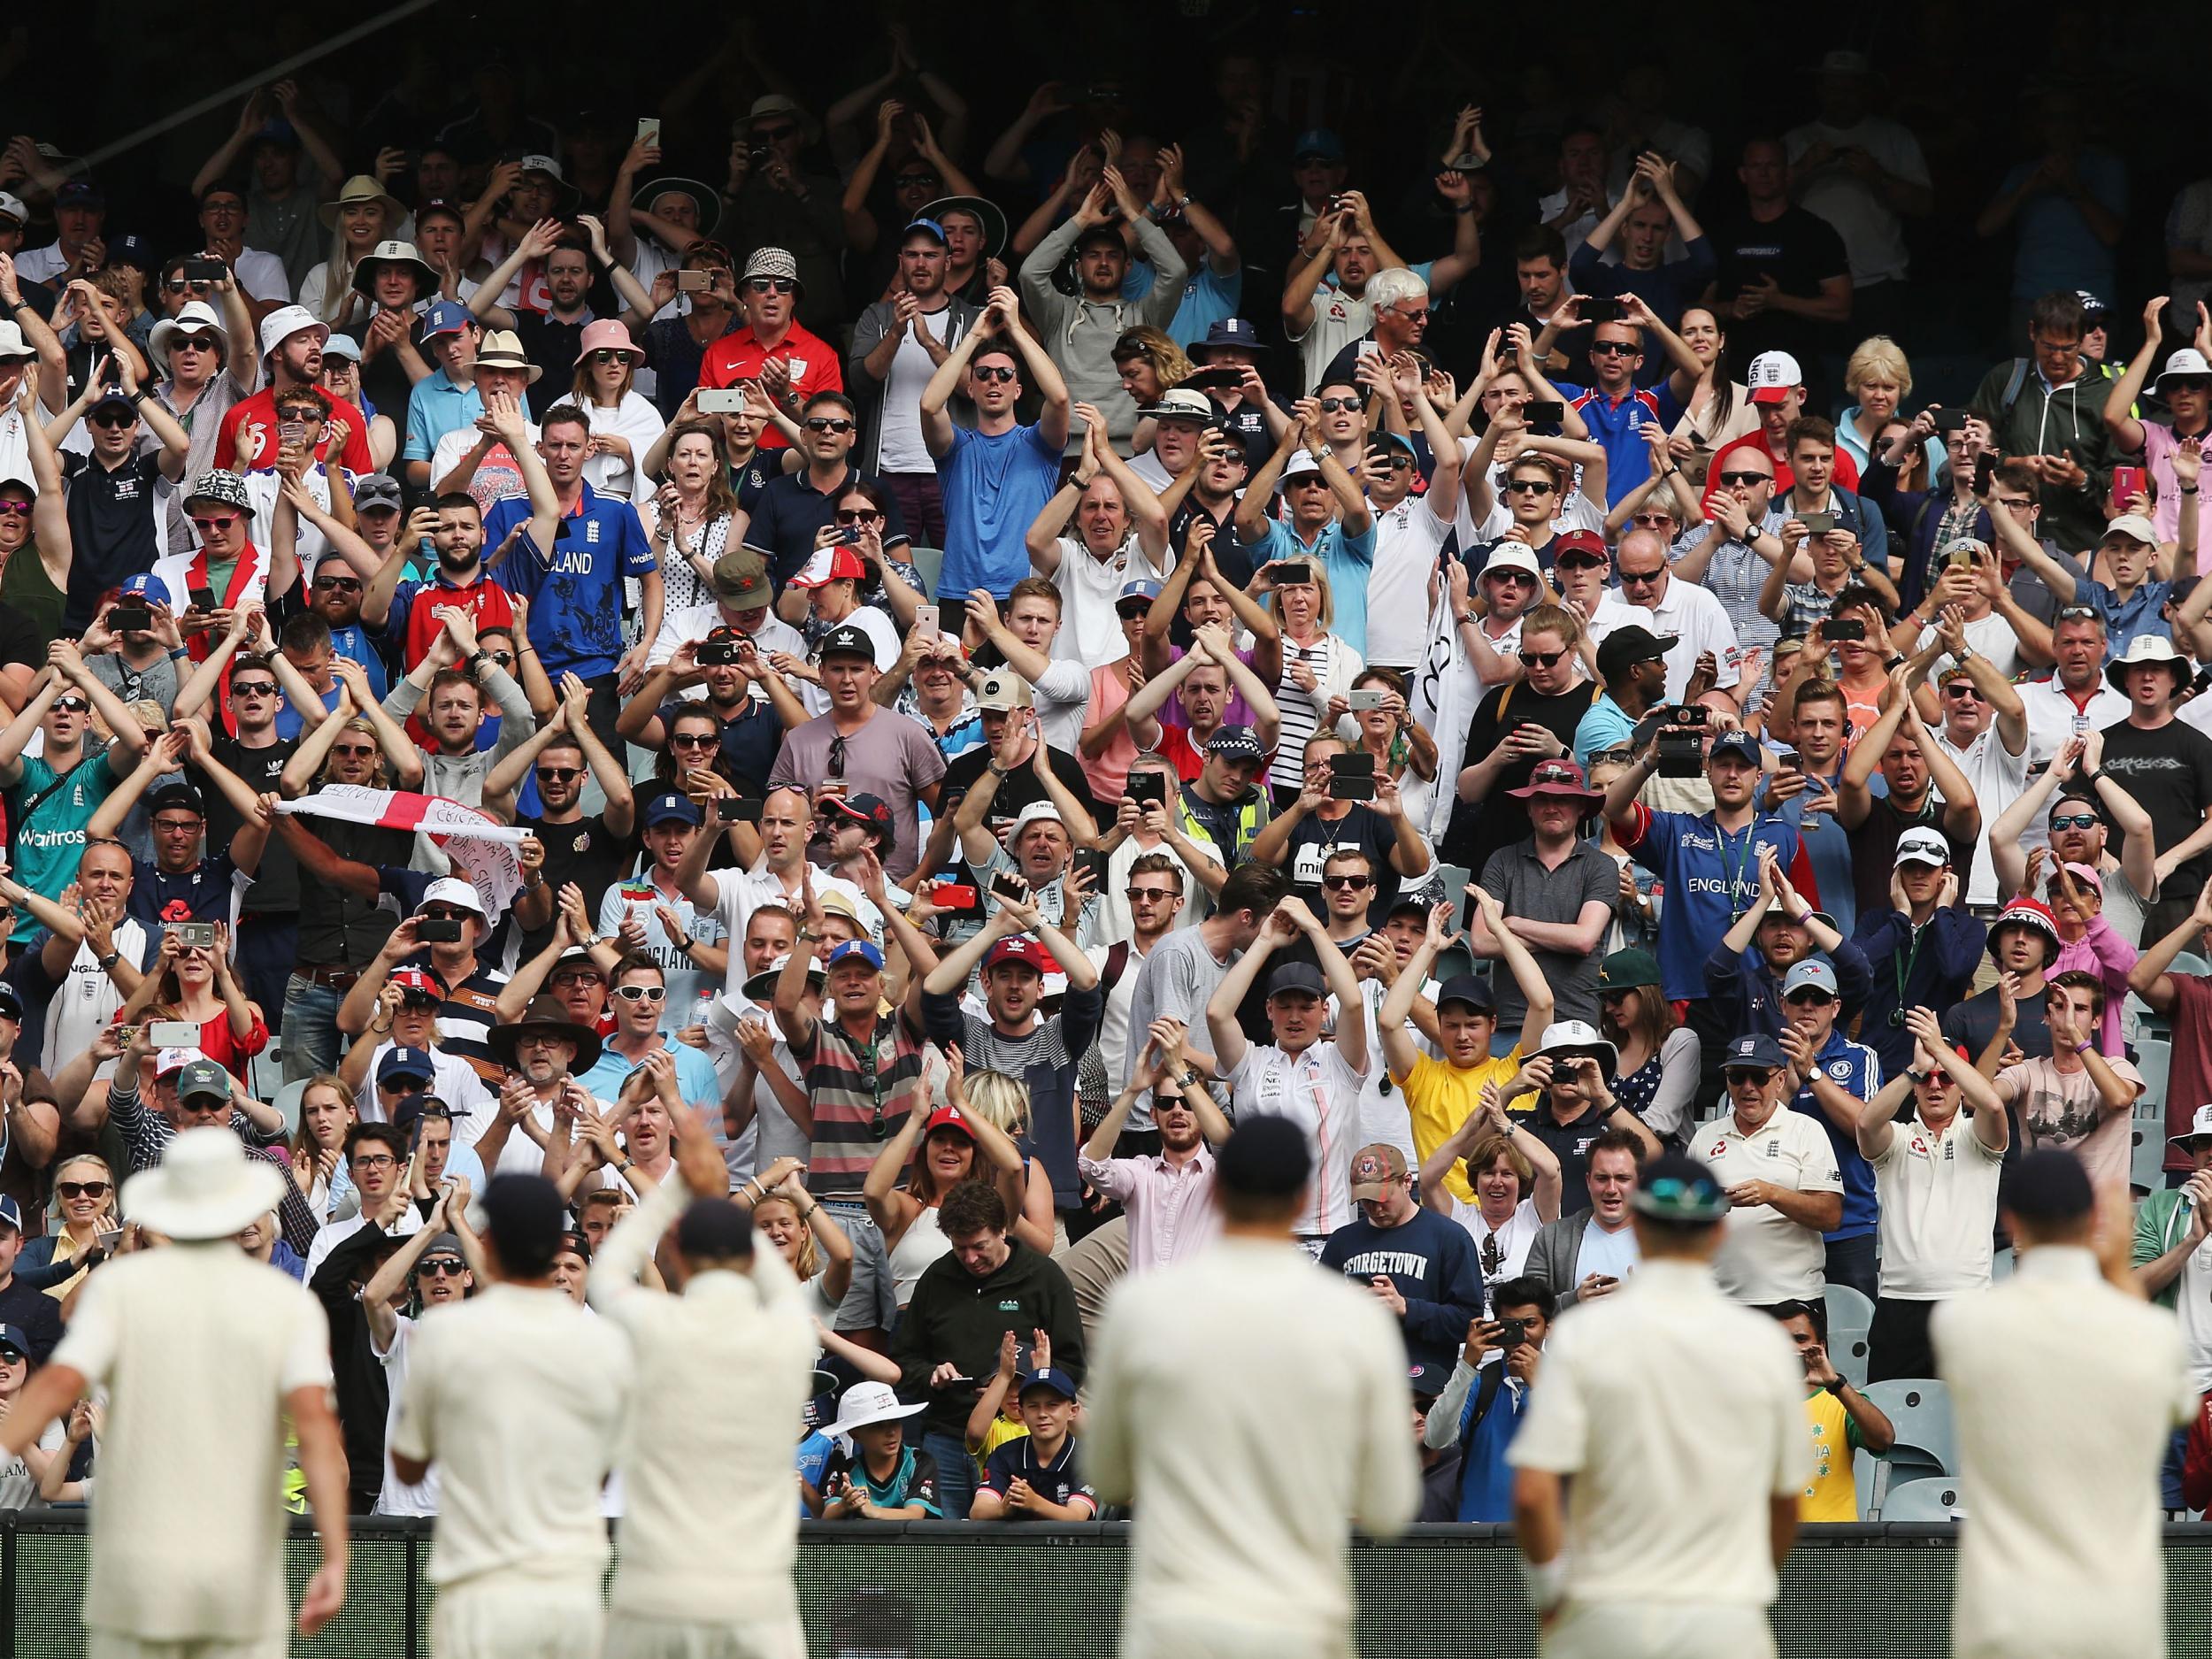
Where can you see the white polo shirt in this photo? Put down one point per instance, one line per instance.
(1939, 1198)
(2066, 1392)
(1999, 776)
(1766, 1257)
(1408, 539)
(1687, 614)
(1319, 1093)
(1090, 587)
(2053, 716)
(1661, 1377)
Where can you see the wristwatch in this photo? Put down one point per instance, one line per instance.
(1837, 1386)
(109, 961)
(1192, 1078)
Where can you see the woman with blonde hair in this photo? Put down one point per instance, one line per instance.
(944, 1148)
(1317, 667)
(815, 1247)
(1149, 362)
(328, 1109)
(1002, 1101)
(623, 423)
(1880, 377)
(689, 516)
(362, 217)
(1516, 1176)
(83, 1209)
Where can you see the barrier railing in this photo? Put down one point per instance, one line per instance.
(943, 1590)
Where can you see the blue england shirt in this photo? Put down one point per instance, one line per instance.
(575, 587)
(1710, 876)
(1618, 428)
(1852, 1068)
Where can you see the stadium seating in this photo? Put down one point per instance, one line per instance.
(1920, 1410)
(1850, 1315)
(1934, 1499)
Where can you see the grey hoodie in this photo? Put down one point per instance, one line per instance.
(1079, 334)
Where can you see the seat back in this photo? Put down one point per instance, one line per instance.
(1850, 1316)
(1932, 1499)
(930, 561)
(1919, 1407)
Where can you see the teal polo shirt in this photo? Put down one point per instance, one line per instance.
(435, 407)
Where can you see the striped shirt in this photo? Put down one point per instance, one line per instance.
(859, 1093)
(465, 1019)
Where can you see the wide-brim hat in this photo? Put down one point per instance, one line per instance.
(987, 214)
(544, 1014)
(362, 188)
(286, 320)
(401, 253)
(606, 334)
(502, 348)
(1577, 1038)
(704, 196)
(2147, 648)
(2199, 1129)
(2188, 362)
(205, 1187)
(224, 488)
(868, 1403)
(761, 985)
(193, 317)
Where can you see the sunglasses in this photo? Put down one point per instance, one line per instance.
(824, 423)
(329, 582)
(443, 1268)
(1649, 518)
(1814, 999)
(559, 774)
(773, 134)
(2078, 613)
(641, 993)
(1756, 1078)
(179, 285)
(1146, 895)
(1640, 578)
(1540, 660)
(771, 284)
(72, 705)
(254, 688)
(114, 418)
(1420, 316)
(443, 913)
(1341, 405)
(915, 181)
(2076, 821)
(1530, 486)
(354, 751)
(1519, 578)
(1618, 757)
(216, 522)
(1615, 349)
(1965, 690)
(15, 509)
(83, 1189)
(992, 372)
(605, 355)
(1747, 478)
(1348, 884)
(695, 740)
(1579, 562)
(1613, 998)
(867, 516)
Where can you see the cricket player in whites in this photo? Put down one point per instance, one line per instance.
(2066, 1387)
(1681, 1416)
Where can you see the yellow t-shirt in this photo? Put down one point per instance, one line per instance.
(1002, 1429)
(1832, 1494)
(1440, 1097)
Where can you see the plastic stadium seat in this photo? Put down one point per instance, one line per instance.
(1850, 1315)
(2154, 1058)
(1928, 1500)
(930, 561)
(2147, 1163)
(1920, 1410)
(286, 1101)
(2189, 962)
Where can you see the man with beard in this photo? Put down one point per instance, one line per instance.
(1787, 930)
(592, 853)
(406, 611)
(552, 338)
(451, 684)
(2080, 796)
(292, 352)
(898, 344)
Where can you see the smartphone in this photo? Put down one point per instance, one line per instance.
(1949, 420)
(439, 930)
(124, 618)
(2126, 481)
(722, 400)
(717, 653)
(192, 935)
(1007, 884)
(926, 621)
(1816, 523)
(1545, 413)
(1213, 380)
(204, 270)
(1293, 574)
(173, 1033)
(693, 281)
(1984, 470)
(201, 598)
(1352, 777)
(1837, 628)
(1963, 559)
(1512, 1333)
(1091, 859)
(1360, 702)
(648, 129)
(126, 1035)
(737, 809)
(1370, 349)
(1601, 310)
(1147, 786)
(953, 896)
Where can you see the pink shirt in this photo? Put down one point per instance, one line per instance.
(2159, 444)
(1171, 1214)
(2101, 951)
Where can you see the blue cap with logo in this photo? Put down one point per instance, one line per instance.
(14, 1339)
(406, 1063)
(1757, 1049)
(928, 228)
(857, 950)
(670, 808)
(1143, 588)
(447, 316)
(10, 1213)
(1740, 746)
(1810, 974)
(1051, 1377)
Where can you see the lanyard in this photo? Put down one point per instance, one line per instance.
(1743, 860)
(865, 1057)
(1904, 968)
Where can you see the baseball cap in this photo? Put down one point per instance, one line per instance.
(12, 207)
(846, 641)
(1035, 812)
(947, 1117)
(416, 982)
(11, 1003)
(401, 1063)
(1756, 1050)
(1921, 845)
(1676, 1187)
(1377, 1168)
(1740, 746)
(1051, 1377)
(201, 1079)
(1773, 376)
(830, 564)
(372, 491)
(740, 581)
(669, 808)
(452, 890)
(872, 811)
(446, 317)
(13, 1340)
(1624, 649)
(1142, 589)
(927, 226)
(446, 1248)
(1318, 141)
(80, 193)
(1471, 990)
(2132, 526)
(1264, 1157)
(1584, 544)
(1003, 690)
(10, 1215)
(2025, 912)
(169, 1062)
(1627, 969)
(1019, 947)
(341, 347)
(855, 951)
(1297, 979)
(1811, 973)
(173, 796)
(1236, 742)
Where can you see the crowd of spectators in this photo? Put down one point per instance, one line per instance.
(995, 640)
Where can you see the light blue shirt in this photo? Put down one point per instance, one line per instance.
(1350, 560)
(1208, 298)
(435, 407)
(694, 1073)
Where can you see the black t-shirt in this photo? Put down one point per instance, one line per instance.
(1363, 828)
(276, 886)
(585, 852)
(1800, 251)
(1874, 847)
(2169, 772)
(552, 346)
(1479, 829)
(1571, 1144)
(20, 640)
(1020, 787)
(110, 527)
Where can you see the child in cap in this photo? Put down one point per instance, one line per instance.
(1033, 1477)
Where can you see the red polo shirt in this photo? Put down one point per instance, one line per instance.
(738, 357)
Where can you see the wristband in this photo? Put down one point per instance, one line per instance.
(1546, 1581)
(2191, 490)
(1837, 1386)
